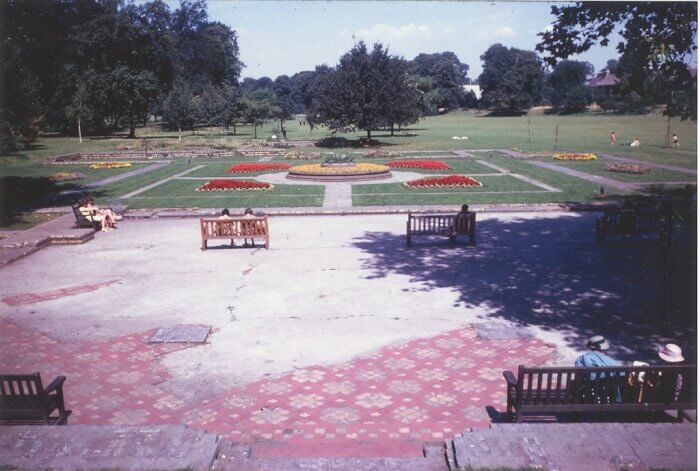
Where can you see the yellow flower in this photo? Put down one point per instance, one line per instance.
(575, 156)
(339, 169)
(110, 165)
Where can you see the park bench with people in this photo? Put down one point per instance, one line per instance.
(24, 400)
(627, 222)
(235, 228)
(85, 221)
(619, 389)
(448, 225)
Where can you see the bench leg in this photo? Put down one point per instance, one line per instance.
(204, 244)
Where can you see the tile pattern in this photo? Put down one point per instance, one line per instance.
(30, 298)
(422, 390)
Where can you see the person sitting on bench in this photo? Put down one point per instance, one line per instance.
(595, 357)
(248, 214)
(105, 217)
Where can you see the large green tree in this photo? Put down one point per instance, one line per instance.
(567, 82)
(660, 37)
(512, 79)
(360, 93)
(442, 76)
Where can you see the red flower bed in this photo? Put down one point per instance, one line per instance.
(248, 167)
(450, 181)
(234, 185)
(425, 164)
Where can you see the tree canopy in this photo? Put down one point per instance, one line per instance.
(512, 79)
(567, 82)
(659, 37)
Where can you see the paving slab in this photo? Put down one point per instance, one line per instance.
(107, 447)
(501, 331)
(182, 334)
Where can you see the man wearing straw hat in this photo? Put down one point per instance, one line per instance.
(672, 354)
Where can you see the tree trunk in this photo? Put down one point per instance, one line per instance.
(369, 135)
(80, 134)
(668, 130)
(255, 131)
(179, 133)
(281, 124)
(392, 129)
(234, 128)
(132, 130)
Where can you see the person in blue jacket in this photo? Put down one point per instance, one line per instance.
(595, 356)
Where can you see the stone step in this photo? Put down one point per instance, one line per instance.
(240, 457)
(554, 446)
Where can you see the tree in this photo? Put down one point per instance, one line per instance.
(569, 92)
(360, 93)
(258, 108)
(283, 89)
(442, 76)
(405, 98)
(178, 109)
(79, 108)
(512, 79)
(209, 106)
(662, 36)
(20, 111)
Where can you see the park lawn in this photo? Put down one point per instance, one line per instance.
(597, 167)
(117, 189)
(28, 220)
(181, 193)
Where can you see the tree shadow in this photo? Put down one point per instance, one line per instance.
(22, 194)
(548, 272)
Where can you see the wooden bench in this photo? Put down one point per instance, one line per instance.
(549, 390)
(450, 226)
(235, 228)
(626, 222)
(23, 400)
(85, 221)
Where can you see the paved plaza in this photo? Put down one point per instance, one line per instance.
(339, 340)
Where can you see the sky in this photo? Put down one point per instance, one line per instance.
(285, 37)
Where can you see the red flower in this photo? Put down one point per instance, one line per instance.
(247, 167)
(425, 164)
(234, 185)
(450, 181)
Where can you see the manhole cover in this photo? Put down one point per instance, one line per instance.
(501, 331)
(182, 334)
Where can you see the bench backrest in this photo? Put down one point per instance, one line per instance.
(441, 223)
(21, 395)
(629, 220)
(615, 384)
(234, 227)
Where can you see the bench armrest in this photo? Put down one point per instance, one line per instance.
(55, 384)
(510, 378)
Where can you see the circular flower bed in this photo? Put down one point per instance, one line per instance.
(249, 167)
(234, 185)
(424, 164)
(340, 169)
(66, 176)
(627, 168)
(449, 181)
(110, 165)
(575, 156)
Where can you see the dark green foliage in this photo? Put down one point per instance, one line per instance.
(658, 38)
(363, 92)
(569, 92)
(178, 107)
(440, 77)
(512, 79)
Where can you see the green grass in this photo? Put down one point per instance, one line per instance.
(181, 193)
(28, 220)
(23, 171)
(597, 167)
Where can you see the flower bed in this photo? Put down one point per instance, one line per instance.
(424, 164)
(234, 185)
(449, 181)
(575, 156)
(110, 165)
(249, 167)
(343, 169)
(297, 155)
(627, 168)
(66, 176)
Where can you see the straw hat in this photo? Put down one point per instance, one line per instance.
(598, 342)
(671, 353)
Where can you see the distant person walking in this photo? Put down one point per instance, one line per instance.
(676, 144)
(613, 138)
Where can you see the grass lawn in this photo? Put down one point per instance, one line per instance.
(597, 167)
(22, 185)
(27, 220)
(181, 193)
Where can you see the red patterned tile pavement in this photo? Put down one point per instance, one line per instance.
(30, 298)
(386, 403)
